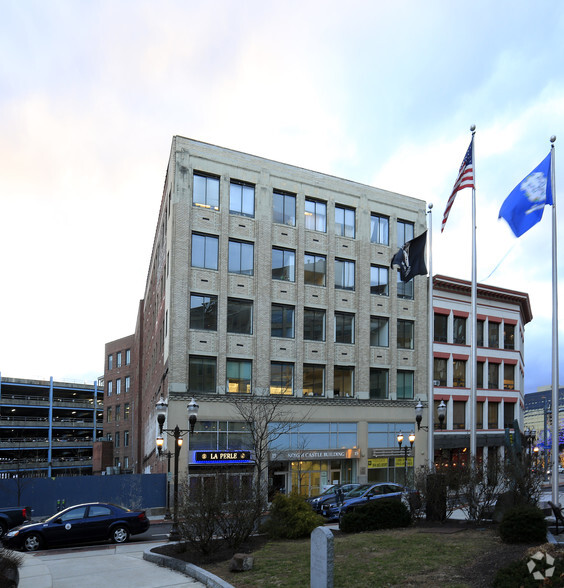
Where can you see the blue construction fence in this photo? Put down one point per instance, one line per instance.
(48, 495)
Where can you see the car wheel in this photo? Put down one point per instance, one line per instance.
(120, 534)
(33, 542)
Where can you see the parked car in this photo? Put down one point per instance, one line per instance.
(83, 523)
(361, 495)
(560, 470)
(329, 495)
(12, 516)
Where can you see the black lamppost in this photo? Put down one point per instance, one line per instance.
(177, 433)
(441, 412)
(168, 455)
(400, 442)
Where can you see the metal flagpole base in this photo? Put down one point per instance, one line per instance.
(174, 534)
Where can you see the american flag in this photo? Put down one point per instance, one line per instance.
(465, 179)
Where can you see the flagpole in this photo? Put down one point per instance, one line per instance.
(473, 368)
(555, 378)
(430, 402)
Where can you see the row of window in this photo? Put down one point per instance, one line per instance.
(459, 420)
(486, 335)
(119, 358)
(204, 313)
(116, 438)
(110, 385)
(242, 202)
(110, 413)
(441, 374)
(205, 255)
(203, 379)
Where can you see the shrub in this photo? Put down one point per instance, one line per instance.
(291, 517)
(378, 514)
(518, 574)
(523, 524)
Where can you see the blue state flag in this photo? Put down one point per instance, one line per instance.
(523, 208)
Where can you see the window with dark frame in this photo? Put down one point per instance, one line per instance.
(206, 191)
(344, 327)
(202, 374)
(379, 331)
(314, 324)
(378, 384)
(315, 269)
(343, 382)
(440, 327)
(344, 274)
(379, 280)
(315, 215)
(242, 199)
(239, 373)
(283, 264)
(379, 229)
(203, 312)
(284, 208)
(282, 378)
(241, 257)
(344, 221)
(239, 316)
(405, 334)
(205, 251)
(282, 321)
(314, 380)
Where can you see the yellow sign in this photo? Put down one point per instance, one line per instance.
(378, 462)
(399, 462)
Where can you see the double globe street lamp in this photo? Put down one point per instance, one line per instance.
(400, 442)
(177, 433)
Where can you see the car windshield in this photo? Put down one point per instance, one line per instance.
(358, 491)
(328, 491)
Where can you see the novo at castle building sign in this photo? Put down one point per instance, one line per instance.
(222, 457)
(305, 454)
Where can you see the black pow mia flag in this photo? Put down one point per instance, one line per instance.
(410, 259)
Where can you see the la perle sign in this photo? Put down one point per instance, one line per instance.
(222, 456)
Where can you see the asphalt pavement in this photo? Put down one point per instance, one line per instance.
(99, 566)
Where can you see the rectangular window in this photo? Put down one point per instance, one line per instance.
(127, 381)
(202, 374)
(508, 336)
(404, 289)
(493, 335)
(282, 378)
(379, 331)
(440, 327)
(315, 269)
(343, 382)
(204, 251)
(440, 371)
(117, 444)
(283, 264)
(242, 199)
(493, 419)
(118, 386)
(405, 232)
(344, 327)
(508, 376)
(314, 380)
(118, 359)
(314, 324)
(127, 356)
(109, 388)
(206, 191)
(405, 385)
(284, 208)
(378, 384)
(379, 280)
(239, 316)
(405, 334)
(379, 229)
(493, 376)
(459, 373)
(126, 439)
(239, 376)
(110, 362)
(344, 221)
(508, 414)
(459, 334)
(109, 414)
(203, 312)
(344, 274)
(118, 413)
(480, 333)
(315, 215)
(480, 374)
(282, 321)
(126, 411)
(459, 414)
(241, 257)
(479, 415)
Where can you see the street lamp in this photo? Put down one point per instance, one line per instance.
(400, 442)
(177, 433)
(441, 412)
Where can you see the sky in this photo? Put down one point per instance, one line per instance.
(382, 93)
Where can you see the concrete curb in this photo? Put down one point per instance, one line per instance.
(206, 578)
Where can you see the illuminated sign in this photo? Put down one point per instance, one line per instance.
(223, 457)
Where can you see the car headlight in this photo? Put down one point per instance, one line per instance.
(11, 534)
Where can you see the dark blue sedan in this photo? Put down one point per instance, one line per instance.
(83, 523)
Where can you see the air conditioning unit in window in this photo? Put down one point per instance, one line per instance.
(436, 382)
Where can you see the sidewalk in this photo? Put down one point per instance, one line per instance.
(100, 566)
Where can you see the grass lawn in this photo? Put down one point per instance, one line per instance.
(403, 557)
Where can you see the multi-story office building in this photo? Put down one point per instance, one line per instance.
(120, 403)
(274, 281)
(538, 416)
(47, 428)
(501, 318)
